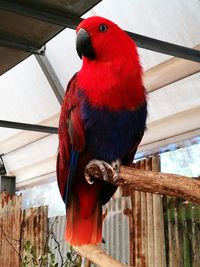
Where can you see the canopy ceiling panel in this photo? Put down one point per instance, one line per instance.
(26, 158)
(61, 52)
(179, 124)
(26, 33)
(26, 95)
(174, 98)
(31, 154)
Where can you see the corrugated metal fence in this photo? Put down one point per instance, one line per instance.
(10, 221)
(148, 241)
(18, 227)
(116, 229)
(34, 230)
(136, 230)
(182, 231)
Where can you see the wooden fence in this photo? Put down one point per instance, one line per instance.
(22, 232)
(10, 224)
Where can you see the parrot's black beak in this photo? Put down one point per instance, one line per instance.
(84, 44)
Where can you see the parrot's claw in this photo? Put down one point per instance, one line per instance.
(88, 179)
(104, 168)
(116, 166)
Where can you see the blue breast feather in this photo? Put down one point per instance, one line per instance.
(111, 135)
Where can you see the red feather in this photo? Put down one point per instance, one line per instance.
(71, 133)
(116, 71)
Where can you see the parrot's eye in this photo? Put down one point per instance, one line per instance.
(103, 28)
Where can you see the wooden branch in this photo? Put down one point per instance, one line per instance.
(97, 256)
(154, 182)
(140, 180)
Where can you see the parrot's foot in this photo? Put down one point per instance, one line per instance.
(105, 168)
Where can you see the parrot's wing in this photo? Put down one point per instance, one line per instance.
(71, 138)
(128, 160)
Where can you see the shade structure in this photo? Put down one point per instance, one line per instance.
(29, 90)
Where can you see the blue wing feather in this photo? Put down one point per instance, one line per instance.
(72, 168)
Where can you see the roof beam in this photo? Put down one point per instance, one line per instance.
(28, 127)
(13, 42)
(168, 72)
(47, 15)
(71, 21)
(51, 77)
(165, 47)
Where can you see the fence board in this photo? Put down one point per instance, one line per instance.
(147, 241)
(35, 229)
(182, 224)
(10, 221)
(116, 229)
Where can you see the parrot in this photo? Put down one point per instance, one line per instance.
(102, 120)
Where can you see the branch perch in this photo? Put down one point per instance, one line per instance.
(153, 182)
(97, 256)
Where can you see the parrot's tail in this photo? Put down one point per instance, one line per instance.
(83, 230)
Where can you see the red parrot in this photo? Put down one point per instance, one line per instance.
(103, 117)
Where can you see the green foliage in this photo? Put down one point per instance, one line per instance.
(31, 259)
(73, 259)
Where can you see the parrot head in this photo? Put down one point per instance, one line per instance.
(102, 40)
(111, 74)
